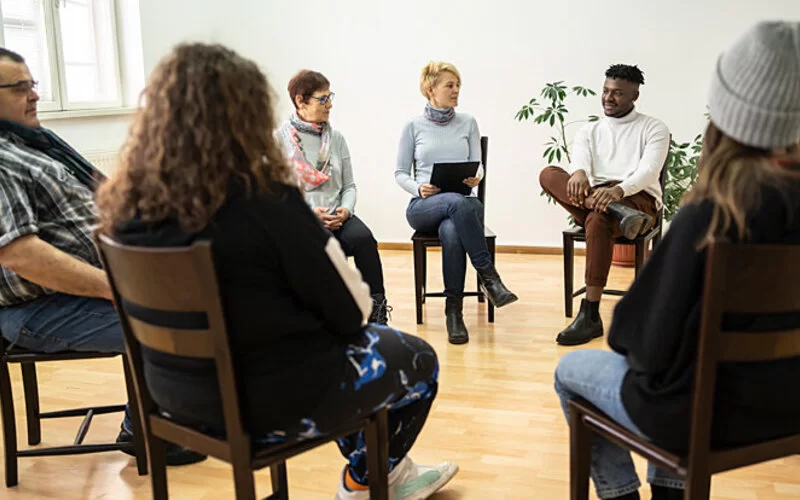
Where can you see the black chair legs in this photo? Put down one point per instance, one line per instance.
(419, 277)
(421, 242)
(569, 271)
(9, 426)
(30, 387)
(34, 416)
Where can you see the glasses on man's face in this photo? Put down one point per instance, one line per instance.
(325, 99)
(22, 86)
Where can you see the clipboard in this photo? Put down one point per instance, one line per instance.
(449, 177)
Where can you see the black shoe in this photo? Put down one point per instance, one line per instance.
(381, 311)
(583, 329)
(494, 289)
(664, 493)
(632, 222)
(454, 318)
(175, 455)
(629, 496)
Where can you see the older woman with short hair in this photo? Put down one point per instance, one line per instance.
(440, 135)
(321, 160)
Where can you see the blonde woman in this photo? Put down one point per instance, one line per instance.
(440, 135)
(748, 191)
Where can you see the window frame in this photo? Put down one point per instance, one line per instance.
(60, 103)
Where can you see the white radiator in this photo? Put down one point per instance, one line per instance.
(105, 161)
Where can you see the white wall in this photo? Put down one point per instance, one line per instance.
(372, 51)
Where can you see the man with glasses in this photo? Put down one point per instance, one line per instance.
(54, 294)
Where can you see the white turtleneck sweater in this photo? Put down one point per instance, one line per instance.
(631, 150)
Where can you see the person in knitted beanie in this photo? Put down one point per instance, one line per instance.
(748, 191)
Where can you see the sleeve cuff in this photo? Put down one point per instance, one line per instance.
(627, 189)
(18, 232)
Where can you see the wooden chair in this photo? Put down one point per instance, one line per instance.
(570, 236)
(744, 279)
(423, 241)
(27, 360)
(169, 302)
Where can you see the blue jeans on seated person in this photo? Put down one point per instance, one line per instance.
(459, 221)
(596, 376)
(62, 322)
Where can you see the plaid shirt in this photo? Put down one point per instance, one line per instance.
(39, 195)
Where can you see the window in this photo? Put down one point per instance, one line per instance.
(73, 49)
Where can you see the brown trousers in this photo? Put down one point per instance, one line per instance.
(601, 229)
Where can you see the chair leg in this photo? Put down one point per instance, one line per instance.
(580, 456)
(243, 479)
(136, 419)
(424, 273)
(490, 244)
(377, 437)
(657, 237)
(698, 486)
(280, 483)
(569, 273)
(419, 277)
(641, 246)
(30, 386)
(9, 425)
(158, 467)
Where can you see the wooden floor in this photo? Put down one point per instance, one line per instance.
(496, 414)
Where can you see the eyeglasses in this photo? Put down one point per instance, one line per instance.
(324, 99)
(22, 86)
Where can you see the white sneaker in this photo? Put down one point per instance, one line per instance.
(408, 481)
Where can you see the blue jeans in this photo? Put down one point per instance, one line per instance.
(596, 376)
(459, 221)
(63, 322)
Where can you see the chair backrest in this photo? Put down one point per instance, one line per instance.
(662, 179)
(741, 279)
(484, 157)
(168, 300)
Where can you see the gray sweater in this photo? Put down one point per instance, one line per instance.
(340, 189)
(424, 143)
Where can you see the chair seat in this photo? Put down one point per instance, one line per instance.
(269, 453)
(21, 354)
(433, 237)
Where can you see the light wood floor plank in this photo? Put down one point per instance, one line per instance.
(496, 413)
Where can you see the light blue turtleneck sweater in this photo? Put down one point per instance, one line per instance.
(424, 143)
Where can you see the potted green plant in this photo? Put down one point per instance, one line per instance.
(553, 113)
(681, 173)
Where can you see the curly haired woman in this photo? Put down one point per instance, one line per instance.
(202, 162)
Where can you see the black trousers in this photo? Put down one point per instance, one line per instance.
(358, 242)
(383, 367)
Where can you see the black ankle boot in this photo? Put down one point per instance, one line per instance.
(664, 493)
(586, 326)
(631, 221)
(381, 311)
(629, 496)
(494, 289)
(454, 317)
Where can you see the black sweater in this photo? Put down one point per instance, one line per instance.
(656, 327)
(287, 309)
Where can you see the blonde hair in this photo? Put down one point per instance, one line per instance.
(732, 176)
(431, 74)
